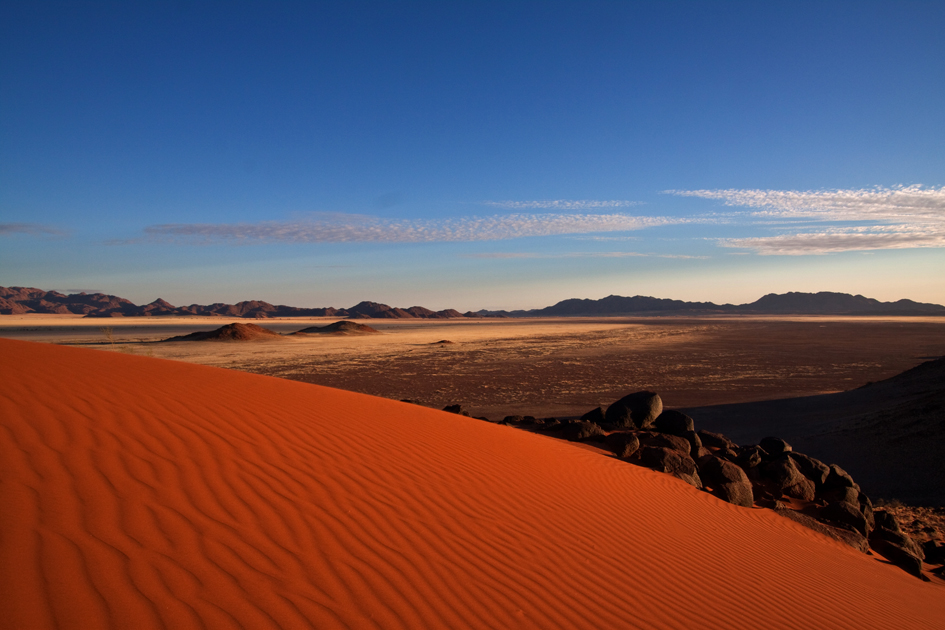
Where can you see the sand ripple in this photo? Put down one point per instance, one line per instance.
(141, 493)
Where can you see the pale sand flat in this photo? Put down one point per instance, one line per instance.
(142, 493)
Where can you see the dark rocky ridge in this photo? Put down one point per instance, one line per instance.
(823, 303)
(770, 474)
(20, 300)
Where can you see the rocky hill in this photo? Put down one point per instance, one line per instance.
(823, 303)
(22, 300)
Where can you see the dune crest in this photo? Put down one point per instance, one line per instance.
(142, 493)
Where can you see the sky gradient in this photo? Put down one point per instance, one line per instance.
(472, 155)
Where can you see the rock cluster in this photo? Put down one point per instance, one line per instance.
(770, 474)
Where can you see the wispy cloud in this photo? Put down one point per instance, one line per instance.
(505, 255)
(33, 229)
(563, 204)
(885, 218)
(898, 202)
(842, 239)
(341, 228)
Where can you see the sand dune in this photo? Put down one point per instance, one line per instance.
(142, 493)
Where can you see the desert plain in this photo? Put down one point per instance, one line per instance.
(140, 492)
(541, 366)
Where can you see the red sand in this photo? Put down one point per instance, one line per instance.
(141, 493)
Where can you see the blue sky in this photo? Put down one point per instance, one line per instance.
(472, 154)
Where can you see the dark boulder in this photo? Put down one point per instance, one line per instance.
(669, 461)
(457, 409)
(839, 478)
(786, 477)
(594, 415)
(622, 444)
(843, 535)
(902, 558)
(674, 422)
(513, 420)
(695, 444)
(846, 515)
(726, 480)
(840, 495)
(774, 446)
(638, 410)
(716, 440)
(813, 469)
(581, 431)
(666, 441)
(866, 509)
(886, 528)
(934, 551)
(749, 456)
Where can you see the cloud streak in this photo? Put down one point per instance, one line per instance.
(836, 240)
(32, 229)
(900, 217)
(514, 255)
(896, 202)
(339, 228)
(563, 204)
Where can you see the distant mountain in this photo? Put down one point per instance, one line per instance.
(828, 303)
(20, 300)
(823, 303)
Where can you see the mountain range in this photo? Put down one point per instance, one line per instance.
(21, 300)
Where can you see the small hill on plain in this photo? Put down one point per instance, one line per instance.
(339, 328)
(143, 493)
(231, 332)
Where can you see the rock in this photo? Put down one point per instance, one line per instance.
(866, 509)
(845, 514)
(513, 420)
(908, 562)
(886, 528)
(749, 456)
(727, 453)
(581, 431)
(669, 461)
(666, 441)
(934, 551)
(716, 440)
(638, 410)
(774, 446)
(726, 480)
(788, 479)
(674, 422)
(838, 478)
(594, 415)
(813, 469)
(841, 495)
(622, 444)
(457, 409)
(695, 445)
(885, 520)
(847, 536)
